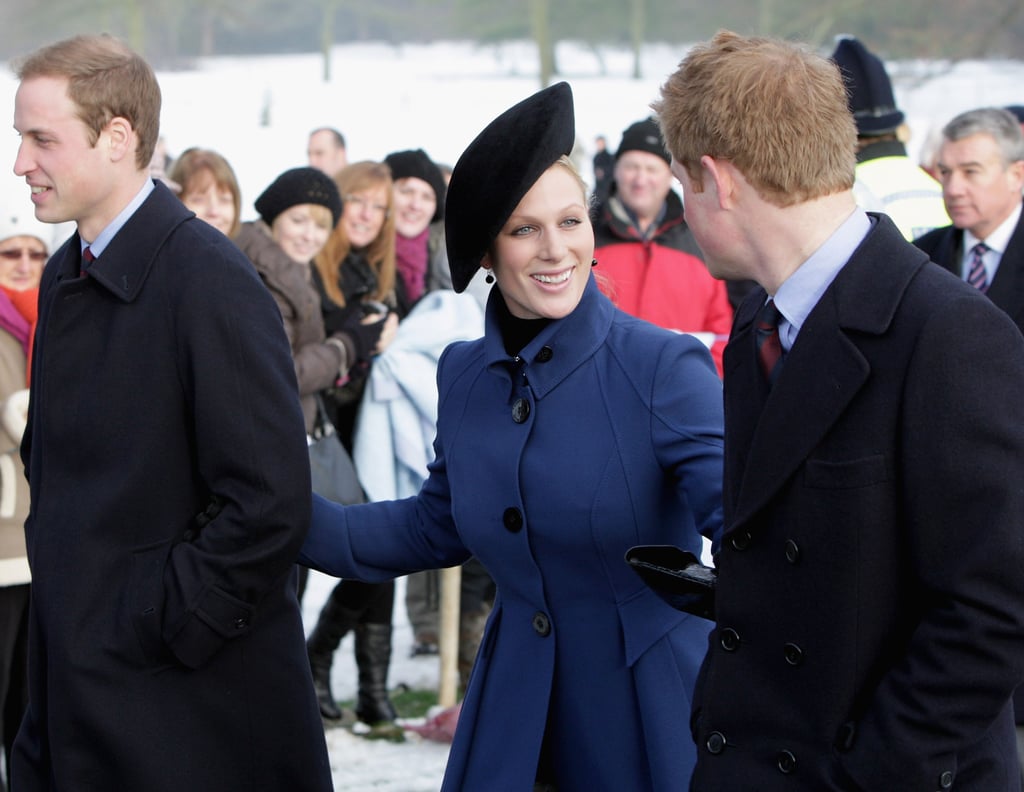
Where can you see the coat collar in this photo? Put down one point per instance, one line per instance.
(126, 262)
(559, 348)
(822, 373)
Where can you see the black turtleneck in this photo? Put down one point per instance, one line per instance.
(515, 332)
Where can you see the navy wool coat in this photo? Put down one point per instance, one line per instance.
(605, 432)
(870, 601)
(165, 654)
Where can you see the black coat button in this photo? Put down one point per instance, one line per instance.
(740, 541)
(794, 654)
(792, 551)
(729, 639)
(520, 410)
(946, 780)
(241, 624)
(513, 519)
(545, 354)
(541, 624)
(786, 762)
(189, 535)
(715, 743)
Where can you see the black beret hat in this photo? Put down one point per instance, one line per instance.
(498, 168)
(299, 186)
(416, 164)
(643, 136)
(868, 88)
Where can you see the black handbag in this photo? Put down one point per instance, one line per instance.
(330, 466)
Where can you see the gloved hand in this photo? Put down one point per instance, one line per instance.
(361, 337)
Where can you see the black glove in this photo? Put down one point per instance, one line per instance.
(362, 338)
(677, 577)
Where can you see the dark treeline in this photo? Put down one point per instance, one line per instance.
(173, 32)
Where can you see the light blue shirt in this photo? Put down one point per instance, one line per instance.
(98, 245)
(800, 292)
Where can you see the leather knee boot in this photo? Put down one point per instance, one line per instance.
(373, 657)
(332, 625)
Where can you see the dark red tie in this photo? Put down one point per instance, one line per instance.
(88, 258)
(769, 346)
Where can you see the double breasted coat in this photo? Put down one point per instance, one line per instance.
(870, 601)
(170, 495)
(604, 432)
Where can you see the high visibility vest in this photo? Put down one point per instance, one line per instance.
(902, 190)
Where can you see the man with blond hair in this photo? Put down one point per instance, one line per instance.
(869, 601)
(168, 469)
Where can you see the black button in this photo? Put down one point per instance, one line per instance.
(740, 541)
(520, 410)
(241, 624)
(189, 535)
(786, 762)
(513, 519)
(794, 654)
(729, 639)
(545, 354)
(541, 624)
(792, 551)
(716, 742)
(946, 780)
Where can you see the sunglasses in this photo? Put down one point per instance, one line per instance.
(14, 254)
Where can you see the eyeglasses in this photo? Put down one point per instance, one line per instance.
(13, 254)
(364, 203)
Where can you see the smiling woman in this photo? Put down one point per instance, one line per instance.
(600, 429)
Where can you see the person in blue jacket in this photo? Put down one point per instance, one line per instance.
(567, 434)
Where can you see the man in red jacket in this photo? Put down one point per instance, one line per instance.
(648, 261)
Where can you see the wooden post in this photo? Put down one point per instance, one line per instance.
(448, 640)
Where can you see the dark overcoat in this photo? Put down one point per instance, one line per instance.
(870, 603)
(946, 248)
(166, 651)
(603, 433)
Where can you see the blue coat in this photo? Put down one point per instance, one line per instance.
(166, 654)
(606, 432)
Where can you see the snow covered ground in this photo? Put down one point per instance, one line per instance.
(258, 113)
(361, 765)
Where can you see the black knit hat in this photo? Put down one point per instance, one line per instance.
(868, 88)
(498, 168)
(415, 163)
(299, 186)
(643, 136)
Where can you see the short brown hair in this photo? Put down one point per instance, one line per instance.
(380, 253)
(106, 79)
(194, 163)
(776, 110)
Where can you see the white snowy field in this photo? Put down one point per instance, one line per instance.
(258, 113)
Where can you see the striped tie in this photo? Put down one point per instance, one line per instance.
(769, 346)
(976, 273)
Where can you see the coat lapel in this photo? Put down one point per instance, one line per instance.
(820, 377)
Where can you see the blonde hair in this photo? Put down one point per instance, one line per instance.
(106, 80)
(776, 110)
(380, 253)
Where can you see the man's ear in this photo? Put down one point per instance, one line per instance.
(717, 174)
(121, 139)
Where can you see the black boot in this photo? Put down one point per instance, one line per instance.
(332, 625)
(373, 656)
